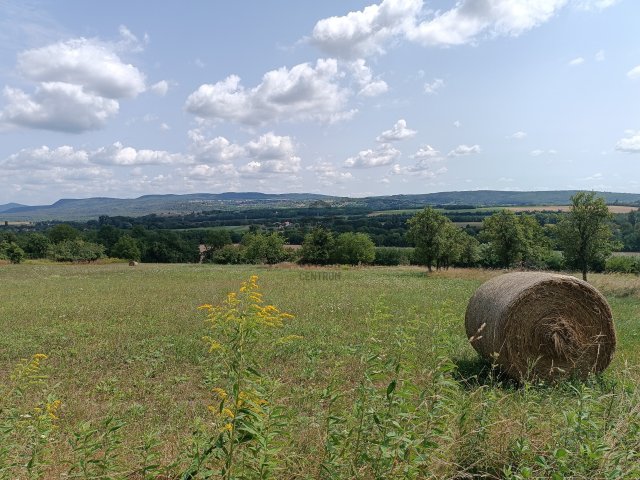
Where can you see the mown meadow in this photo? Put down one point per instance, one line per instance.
(373, 377)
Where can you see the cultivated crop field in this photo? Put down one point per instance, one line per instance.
(381, 384)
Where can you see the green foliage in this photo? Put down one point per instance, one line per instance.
(11, 251)
(585, 235)
(354, 249)
(228, 254)
(514, 239)
(318, 247)
(424, 232)
(623, 264)
(127, 248)
(36, 245)
(62, 232)
(263, 248)
(390, 256)
(75, 251)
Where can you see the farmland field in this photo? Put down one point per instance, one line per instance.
(127, 343)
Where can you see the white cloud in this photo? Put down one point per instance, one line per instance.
(57, 106)
(519, 135)
(537, 152)
(85, 62)
(462, 150)
(427, 152)
(119, 155)
(327, 173)
(303, 92)
(470, 19)
(590, 5)
(422, 170)
(629, 144)
(575, 62)
(368, 31)
(600, 56)
(457, 123)
(216, 150)
(43, 158)
(363, 33)
(382, 155)
(368, 87)
(271, 146)
(433, 87)
(634, 73)
(78, 84)
(160, 88)
(164, 127)
(397, 133)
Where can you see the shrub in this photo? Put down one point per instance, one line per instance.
(390, 256)
(354, 248)
(229, 254)
(623, 264)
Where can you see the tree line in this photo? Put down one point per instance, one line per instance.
(506, 239)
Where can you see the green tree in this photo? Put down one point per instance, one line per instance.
(36, 245)
(11, 251)
(506, 237)
(62, 232)
(354, 248)
(263, 248)
(126, 247)
(317, 247)
(584, 234)
(425, 229)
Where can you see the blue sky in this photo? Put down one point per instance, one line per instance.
(338, 97)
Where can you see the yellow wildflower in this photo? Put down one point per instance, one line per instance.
(220, 392)
(227, 413)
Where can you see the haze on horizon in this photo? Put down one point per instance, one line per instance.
(342, 98)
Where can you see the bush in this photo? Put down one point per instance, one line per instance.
(623, 264)
(554, 261)
(76, 251)
(354, 249)
(11, 251)
(228, 255)
(390, 256)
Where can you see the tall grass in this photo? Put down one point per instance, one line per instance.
(382, 383)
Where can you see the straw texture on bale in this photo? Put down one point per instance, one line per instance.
(541, 325)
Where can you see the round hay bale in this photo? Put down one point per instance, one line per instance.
(133, 263)
(541, 325)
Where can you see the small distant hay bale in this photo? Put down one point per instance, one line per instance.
(133, 263)
(541, 325)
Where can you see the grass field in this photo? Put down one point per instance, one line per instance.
(383, 383)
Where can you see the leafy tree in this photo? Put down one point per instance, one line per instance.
(108, 235)
(584, 234)
(506, 237)
(76, 251)
(229, 254)
(215, 239)
(126, 247)
(11, 251)
(425, 229)
(318, 247)
(263, 248)
(61, 232)
(536, 248)
(354, 248)
(450, 241)
(469, 251)
(36, 245)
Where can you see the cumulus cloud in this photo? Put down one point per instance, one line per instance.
(118, 154)
(462, 150)
(468, 20)
(397, 133)
(160, 88)
(57, 106)
(79, 83)
(426, 157)
(215, 150)
(382, 155)
(427, 152)
(634, 73)
(42, 158)
(457, 123)
(431, 88)
(84, 62)
(537, 152)
(629, 144)
(369, 31)
(368, 86)
(576, 61)
(303, 92)
(327, 174)
(366, 32)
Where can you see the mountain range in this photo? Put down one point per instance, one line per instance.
(92, 208)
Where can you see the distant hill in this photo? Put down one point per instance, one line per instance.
(10, 206)
(92, 208)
